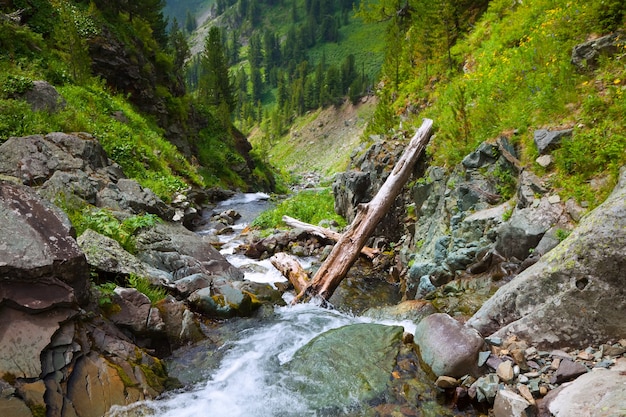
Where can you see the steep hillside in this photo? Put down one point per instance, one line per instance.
(118, 75)
(511, 73)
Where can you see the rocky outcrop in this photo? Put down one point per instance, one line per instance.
(574, 296)
(57, 356)
(585, 55)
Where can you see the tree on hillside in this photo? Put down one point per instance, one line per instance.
(178, 47)
(214, 85)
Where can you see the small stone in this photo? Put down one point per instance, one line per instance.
(544, 160)
(567, 371)
(531, 374)
(523, 379)
(586, 356)
(525, 392)
(615, 350)
(606, 364)
(543, 390)
(622, 342)
(555, 363)
(494, 340)
(531, 351)
(485, 388)
(446, 382)
(482, 357)
(505, 371)
(510, 404)
(554, 199)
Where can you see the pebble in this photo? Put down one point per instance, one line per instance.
(482, 357)
(543, 390)
(525, 392)
(505, 371)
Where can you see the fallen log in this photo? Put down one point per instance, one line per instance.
(371, 253)
(292, 270)
(347, 249)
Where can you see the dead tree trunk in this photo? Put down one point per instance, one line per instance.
(292, 270)
(347, 249)
(371, 253)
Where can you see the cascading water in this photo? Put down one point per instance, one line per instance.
(253, 376)
(252, 379)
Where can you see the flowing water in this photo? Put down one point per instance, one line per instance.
(251, 377)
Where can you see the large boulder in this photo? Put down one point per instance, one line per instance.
(575, 295)
(595, 394)
(448, 347)
(44, 97)
(176, 250)
(347, 365)
(34, 159)
(41, 266)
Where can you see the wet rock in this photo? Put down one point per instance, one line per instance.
(94, 387)
(223, 301)
(181, 327)
(549, 303)
(548, 140)
(448, 347)
(362, 360)
(510, 404)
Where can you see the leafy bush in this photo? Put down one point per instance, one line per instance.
(308, 206)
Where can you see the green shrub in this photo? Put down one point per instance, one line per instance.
(143, 285)
(104, 222)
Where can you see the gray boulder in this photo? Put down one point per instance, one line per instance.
(176, 250)
(548, 140)
(34, 159)
(574, 296)
(524, 230)
(448, 347)
(129, 195)
(44, 97)
(107, 255)
(585, 55)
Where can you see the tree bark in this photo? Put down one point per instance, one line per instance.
(347, 249)
(371, 253)
(292, 270)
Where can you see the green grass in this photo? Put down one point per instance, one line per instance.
(308, 206)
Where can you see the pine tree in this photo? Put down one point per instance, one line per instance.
(215, 85)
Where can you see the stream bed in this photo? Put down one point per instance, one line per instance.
(244, 366)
